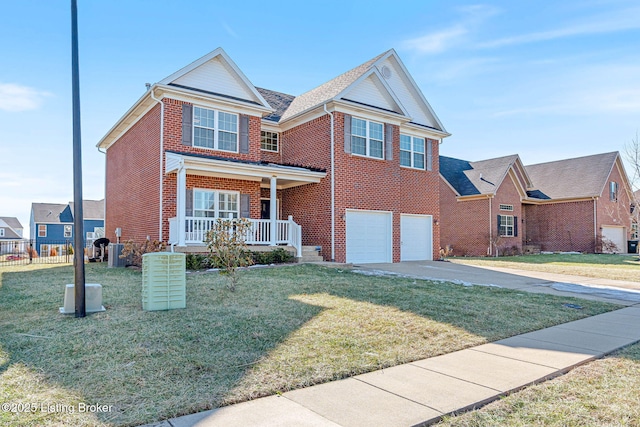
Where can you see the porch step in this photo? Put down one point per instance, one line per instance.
(311, 254)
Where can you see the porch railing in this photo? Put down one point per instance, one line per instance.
(196, 229)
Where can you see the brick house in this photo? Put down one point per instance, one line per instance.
(350, 166)
(566, 205)
(481, 204)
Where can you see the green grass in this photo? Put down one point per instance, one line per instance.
(604, 266)
(601, 393)
(283, 328)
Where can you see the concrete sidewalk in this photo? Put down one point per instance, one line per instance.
(422, 392)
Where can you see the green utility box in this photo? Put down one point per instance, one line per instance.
(163, 281)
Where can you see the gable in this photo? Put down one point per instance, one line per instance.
(373, 92)
(407, 92)
(215, 73)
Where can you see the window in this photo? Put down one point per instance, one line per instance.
(269, 141)
(506, 207)
(506, 226)
(634, 231)
(215, 204)
(42, 230)
(412, 151)
(366, 138)
(215, 129)
(613, 191)
(1, 232)
(67, 231)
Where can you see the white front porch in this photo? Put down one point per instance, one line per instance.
(196, 228)
(187, 230)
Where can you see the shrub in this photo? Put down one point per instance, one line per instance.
(133, 251)
(226, 244)
(276, 256)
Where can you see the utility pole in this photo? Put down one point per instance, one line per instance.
(78, 227)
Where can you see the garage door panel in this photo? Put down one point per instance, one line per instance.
(368, 236)
(416, 237)
(615, 235)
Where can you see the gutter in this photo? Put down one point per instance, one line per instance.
(595, 222)
(333, 194)
(161, 159)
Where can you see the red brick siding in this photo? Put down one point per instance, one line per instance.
(616, 213)
(360, 183)
(463, 225)
(508, 194)
(132, 181)
(561, 226)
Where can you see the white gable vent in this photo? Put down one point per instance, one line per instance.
(386, 72)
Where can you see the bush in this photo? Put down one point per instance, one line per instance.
(276, 256)
(133, 251)
(226, 244)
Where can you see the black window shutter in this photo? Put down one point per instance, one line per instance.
(189, 202)
(388, 141)
(187, 124)
(244, 133)
(515, 226)
(245, 206)
(429, 155)
(347, 133)
(499, 223)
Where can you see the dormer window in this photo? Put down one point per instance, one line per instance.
(215, 129)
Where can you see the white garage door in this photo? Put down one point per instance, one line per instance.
(615, 235)
(416, 238)
(368, 236)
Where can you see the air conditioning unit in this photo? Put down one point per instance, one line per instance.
(163, 281)
(115, 250)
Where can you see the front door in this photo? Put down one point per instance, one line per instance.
(265, 209)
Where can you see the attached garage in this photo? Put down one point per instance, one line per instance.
(369, 237)
(416, 237)
(615, 234)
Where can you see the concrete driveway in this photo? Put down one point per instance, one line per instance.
(616, 291)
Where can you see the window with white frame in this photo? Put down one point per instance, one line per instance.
(506, 226)
(506, 207)
(613, 191)
(412, 151)
(634, 231)
(1, 232)
(367, 138)
(42, 230)
(269, 141)
(215, 129)
(215, 204)
(67, 231)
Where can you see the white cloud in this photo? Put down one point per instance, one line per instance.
(622, 20)
(15, 97)
(444, 39)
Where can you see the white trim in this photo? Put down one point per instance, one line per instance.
(367, 139)
(389, 213)
(216, 129)
(277, 150)
(373, 71)
(412, 152)
(216, 202)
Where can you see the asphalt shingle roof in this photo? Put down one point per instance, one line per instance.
(573, 178)
(473, 178)
(11, 221)
(278, 100)
(47, 212)
(91, 209)
(328, 90)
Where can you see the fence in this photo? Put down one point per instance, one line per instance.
(19, 252)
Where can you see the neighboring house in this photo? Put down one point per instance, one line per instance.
(351, 165)
(51, 224)
(481, 204)
(10, 228)
(581, 204)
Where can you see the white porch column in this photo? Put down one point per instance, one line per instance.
(181, 203)
(273, 213)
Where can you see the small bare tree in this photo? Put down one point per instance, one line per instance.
(631, 155)
(227, 247)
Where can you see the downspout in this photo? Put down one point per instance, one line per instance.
(161, 160)
(595, 223)
(333, 189)
(490, 228)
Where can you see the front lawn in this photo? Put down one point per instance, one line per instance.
(605, 266)
(600, 393)
(284, 328)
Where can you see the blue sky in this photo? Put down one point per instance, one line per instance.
(546, 80)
